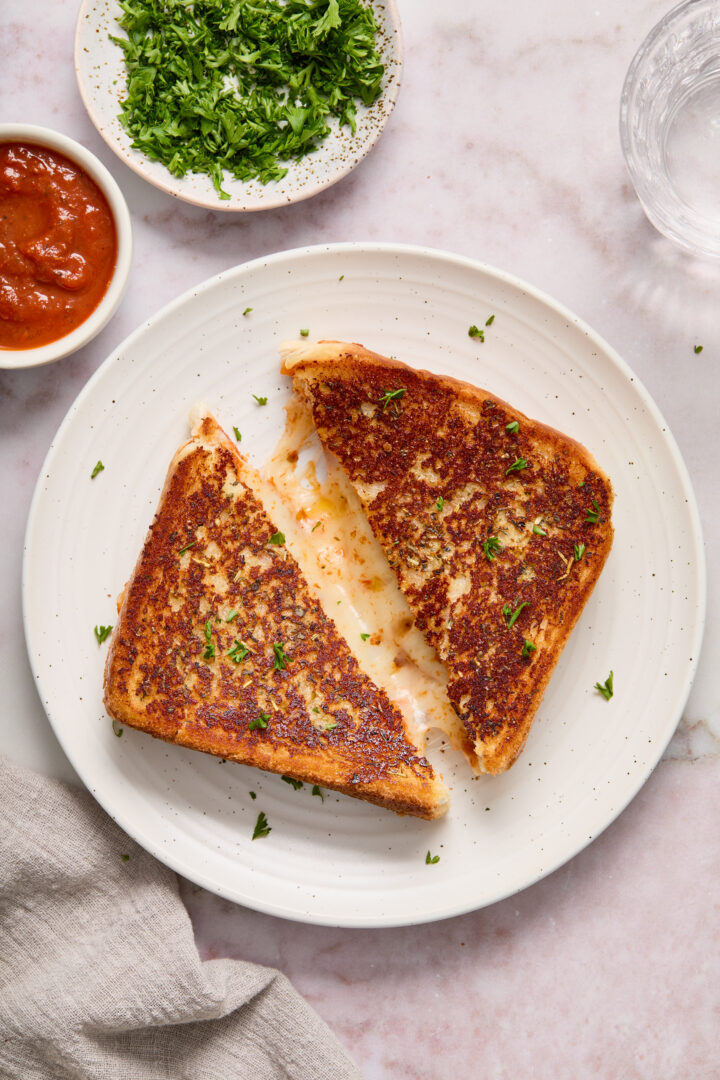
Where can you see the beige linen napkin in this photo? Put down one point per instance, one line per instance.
(99, 974)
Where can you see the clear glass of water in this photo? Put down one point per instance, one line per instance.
(670, 125)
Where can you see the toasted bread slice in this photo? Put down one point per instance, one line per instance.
(497, 526)
(221, 647)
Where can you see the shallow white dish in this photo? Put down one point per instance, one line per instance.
(100, 73)
(344, 862)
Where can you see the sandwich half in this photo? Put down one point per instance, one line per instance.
(496, 526)
(220, 646)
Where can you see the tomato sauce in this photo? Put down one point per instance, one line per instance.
(58, 245)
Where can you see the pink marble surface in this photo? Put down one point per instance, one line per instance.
(503, 147)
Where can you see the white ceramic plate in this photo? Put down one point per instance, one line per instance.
(100, 72)
(344, 862)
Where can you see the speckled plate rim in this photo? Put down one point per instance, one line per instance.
(251, 196)
(439, 903)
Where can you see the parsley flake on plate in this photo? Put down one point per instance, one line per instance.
(431, 859)
(606, 689)
(102, 633)
(243, 88)
(297, 784)
(99, 467)
(261, 826)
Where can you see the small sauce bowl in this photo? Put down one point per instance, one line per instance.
(53, 141)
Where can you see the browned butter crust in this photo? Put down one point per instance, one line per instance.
(208, 585)
(496, 525)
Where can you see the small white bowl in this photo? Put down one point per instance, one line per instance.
(102, 81)
(96, 320)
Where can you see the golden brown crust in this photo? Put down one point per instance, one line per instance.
(497, 535)
(207, 587)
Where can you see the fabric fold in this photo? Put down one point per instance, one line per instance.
(99, 973)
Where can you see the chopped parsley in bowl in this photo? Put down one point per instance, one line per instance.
(243, 89)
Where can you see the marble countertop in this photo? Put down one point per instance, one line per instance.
(503, 147)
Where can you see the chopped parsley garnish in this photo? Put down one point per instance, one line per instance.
(317, 790)
(476, 332)
(277, 538)
(489, 321)
(238, 652)
(538, 530)
(244, 87)
(209, 646)
(98, 469)
(247, 311)
(252, 794)
(527, 648)
(316, 525)
(281, 660)
(697, 348)
(331, 724)
(297, 784)
(260, 400)
(125, 858)
(102, 633)
(261, 826)
(578, 551)
(513, 427)
(116, 729)
(390, 395)
(431, 859)
(511, 616)
(341, 278)
(593, 516)
(520, 463)
(304, 333)
(231, 615)
(440, 503)
(260, 722)
(606, 688)
(491, 546)
(187, 547)
(238, 436)
(364, 637)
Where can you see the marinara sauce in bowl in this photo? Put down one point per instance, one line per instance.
(65, 245)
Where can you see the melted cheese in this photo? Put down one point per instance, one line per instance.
(313, 503)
